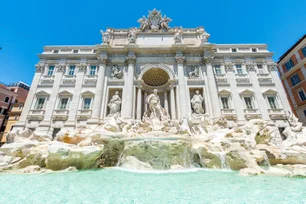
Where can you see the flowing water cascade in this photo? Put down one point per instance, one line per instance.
(266, 161)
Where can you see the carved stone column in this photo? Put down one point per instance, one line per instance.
(212, 86)
(172, 101)
(182, 84)
(145, 98)
(166, 101)
(130, 61)
(139, 104)
(97, 103)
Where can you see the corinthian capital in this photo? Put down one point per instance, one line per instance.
(60, 67)
(81, 67)
(229, 67)
(39, 68)
(207, 60)
(250, 66)
(130, 60)
(272, 66)
(104, 60)
(180, 60)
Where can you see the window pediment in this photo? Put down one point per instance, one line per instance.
(247, 92)
(270, 92)
(65, 93)
(42, 93)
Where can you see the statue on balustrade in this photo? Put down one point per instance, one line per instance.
(114, 105)
(197, 103)
(155, 110)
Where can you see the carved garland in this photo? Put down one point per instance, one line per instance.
(60, 67)
(39, 68)
(272, 66)
(250, 66)
(229, 67)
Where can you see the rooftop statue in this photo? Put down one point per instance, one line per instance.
(154, 22)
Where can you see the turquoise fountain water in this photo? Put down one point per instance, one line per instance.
(117, 186)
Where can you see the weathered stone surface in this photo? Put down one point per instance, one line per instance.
(111, 152)
(61, 156)
(159, 154)
(131, 162)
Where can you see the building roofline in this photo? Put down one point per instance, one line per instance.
(291, 48)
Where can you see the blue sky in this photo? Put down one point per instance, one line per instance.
(28, 25)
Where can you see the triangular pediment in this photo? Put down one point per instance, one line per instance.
(270, 92)
(247, 92)
(65, 92)
(42, 93)
(87, 93)
(224, 92)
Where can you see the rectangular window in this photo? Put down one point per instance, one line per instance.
(71, 70)
(254, 50)
(239, 69)
(55, 51)
(217, 69)
(86, 104)
(92, 70)
(20, 107)
(295, 79)
(50, 70)
(272, 102)
(63, 104)
(224, 101)
(234, 50)
(289, 64)
(302, 95)
(304, 113)
(75, 51)
(40, 103)
(260, 68)
(248, 102)
(6, 100)
(304, 51)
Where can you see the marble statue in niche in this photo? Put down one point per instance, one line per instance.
(114, 105)
(155, 110)
(197, 103)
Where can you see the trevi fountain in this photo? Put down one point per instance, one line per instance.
(158, 159)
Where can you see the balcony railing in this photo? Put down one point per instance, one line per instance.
(221, 78)
(242, 79)
(36, 115)
(84, 114)
(229, 114)
(252, 113)
(60, 114)
(264, 78)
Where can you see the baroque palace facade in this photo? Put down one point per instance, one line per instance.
(88, 85)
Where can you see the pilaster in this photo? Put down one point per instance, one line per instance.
(97, 103)
(180, 60)
(212, 86)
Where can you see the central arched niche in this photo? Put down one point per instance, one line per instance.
(155, 77)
